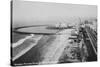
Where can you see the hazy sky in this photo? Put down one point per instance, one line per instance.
(26, 12)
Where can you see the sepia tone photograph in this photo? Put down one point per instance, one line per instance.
(53, 33)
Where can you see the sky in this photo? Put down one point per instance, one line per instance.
(33, 13)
